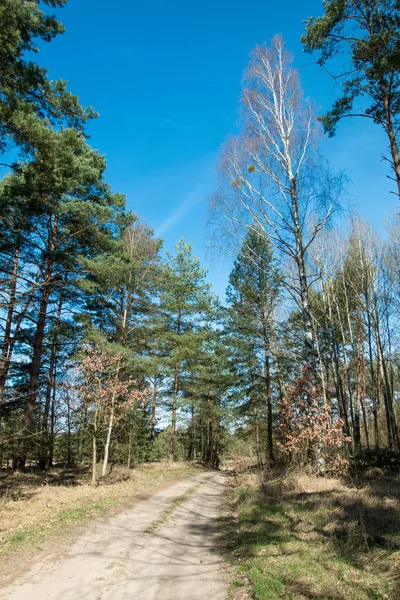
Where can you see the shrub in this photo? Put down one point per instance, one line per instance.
(309, 433)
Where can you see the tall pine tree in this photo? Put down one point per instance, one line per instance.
(252, 295)
(185, 302)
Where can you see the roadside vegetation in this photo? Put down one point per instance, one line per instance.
(36, 507)
(297, 536)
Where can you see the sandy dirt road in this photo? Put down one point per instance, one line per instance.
(161, 549)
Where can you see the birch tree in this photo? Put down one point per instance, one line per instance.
(272, 177)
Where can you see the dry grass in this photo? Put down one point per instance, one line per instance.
(299, 537)
(34, 506)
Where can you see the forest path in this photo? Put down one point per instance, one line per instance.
(161, 549)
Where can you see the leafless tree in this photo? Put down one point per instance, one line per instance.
(272, 176)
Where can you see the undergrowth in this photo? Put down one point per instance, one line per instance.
(300, 537)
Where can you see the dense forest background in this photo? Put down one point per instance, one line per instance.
(111, 353)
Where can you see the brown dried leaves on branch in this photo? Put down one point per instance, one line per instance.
(309, 428)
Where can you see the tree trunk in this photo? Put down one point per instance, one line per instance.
(153, 410)
(278, 373)
(387, 391)
(52, 421)
(192, 443)
(216, 460)
(108, 439)
(110, 422)
(5, 354)
(341, 391)
(94, 449)
(30, 407)
(270, 447)
(173, 419)
(394, 150)
(12, 339)
(374, 382)
(303, 283)
(129, 449)
(346, 370)
(94, 459)
(208, 454)
(357, 428)
(51, 383)
(69, 433)
(257, 428)
(174, 401)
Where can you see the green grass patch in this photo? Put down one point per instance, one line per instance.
(60, 523)
(320, 544)
(266, 586)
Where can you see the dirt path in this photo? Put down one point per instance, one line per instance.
(162, 549)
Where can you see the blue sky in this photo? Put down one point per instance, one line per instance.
(165, 78)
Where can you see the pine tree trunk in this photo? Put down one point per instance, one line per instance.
(153, 410)
(346, 373)
(129, 449)
(69, 433)
(52, 421)
(365, 420)
(30, 407)
(13, 339)
(44, 447)
(394, 150)
(192, 443)
(5, 354)
(278, 373)
(173, 416)
(208, 449)
(216, 460)
(270, 447)
(257, 430)
(174, 401)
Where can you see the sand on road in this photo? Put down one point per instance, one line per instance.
(163, 548)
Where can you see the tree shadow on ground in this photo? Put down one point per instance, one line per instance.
(22, 486)
(354, 518)
(336, 528)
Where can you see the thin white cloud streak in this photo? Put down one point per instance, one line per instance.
(180, 212)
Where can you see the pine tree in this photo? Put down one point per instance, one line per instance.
(69, 212)
(367, 34)
(120, 301)
(30, 103)
(252, 295)
(185, 302)
(205, 384)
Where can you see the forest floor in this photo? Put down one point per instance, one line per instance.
(160, 545)
(299, 537)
